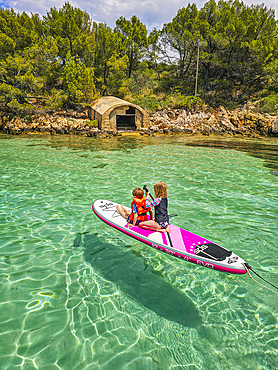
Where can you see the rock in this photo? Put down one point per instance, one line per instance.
(274, 127)
(251, 117)
(242, 121)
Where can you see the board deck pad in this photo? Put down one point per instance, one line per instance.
(179, 242)
(212, 251)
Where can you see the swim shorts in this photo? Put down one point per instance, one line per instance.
(130, 222)
(163, 224)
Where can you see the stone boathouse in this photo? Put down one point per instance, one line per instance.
(118, 115)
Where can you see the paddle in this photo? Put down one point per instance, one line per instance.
(146, 189)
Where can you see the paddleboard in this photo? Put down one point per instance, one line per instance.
(179, 243)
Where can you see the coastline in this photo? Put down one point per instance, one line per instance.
(239, 122)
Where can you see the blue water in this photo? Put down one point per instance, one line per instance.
(76, 294)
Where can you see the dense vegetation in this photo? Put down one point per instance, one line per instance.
(65, 60)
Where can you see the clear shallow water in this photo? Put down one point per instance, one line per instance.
(76, 294)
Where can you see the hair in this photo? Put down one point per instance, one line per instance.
(138, 192)
(160, 190)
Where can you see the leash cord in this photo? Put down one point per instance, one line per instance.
(248, 267)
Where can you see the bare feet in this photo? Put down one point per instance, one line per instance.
(162, 231)
(122, 211)
(119, 209)
(168, 230)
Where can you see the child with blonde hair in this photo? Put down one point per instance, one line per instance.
(160, 204)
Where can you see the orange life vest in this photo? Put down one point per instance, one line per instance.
(141, 209)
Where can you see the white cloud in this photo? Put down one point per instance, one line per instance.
(153, 13)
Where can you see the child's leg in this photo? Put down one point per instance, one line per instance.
(151, 225)
(123, 211)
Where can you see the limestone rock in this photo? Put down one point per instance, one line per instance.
(274, 127)
(220, 121)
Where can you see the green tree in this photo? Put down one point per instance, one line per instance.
(78, 82)
(156, 68)
(239, 44)
(134, 40)
(117, 83)
(107, 48)
(19, 28)
(71, 29)
(18, 80)
(179, 40)
(19, 77)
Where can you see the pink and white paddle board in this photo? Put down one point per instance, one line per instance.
(182, 243)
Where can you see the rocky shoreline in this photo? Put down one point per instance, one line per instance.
(168, 121)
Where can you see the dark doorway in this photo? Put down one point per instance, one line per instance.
(131, 110)
(126, 122)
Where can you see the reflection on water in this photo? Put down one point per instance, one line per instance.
(77, 294)
(266, 149)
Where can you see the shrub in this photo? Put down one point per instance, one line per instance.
(93, 123)
(153, 102)
(149, 103)
(56, 99)
(18, 108)
(177, 100)
(268, 104)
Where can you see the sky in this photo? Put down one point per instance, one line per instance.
(152, 13)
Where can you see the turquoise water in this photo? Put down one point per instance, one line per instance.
(76, 294)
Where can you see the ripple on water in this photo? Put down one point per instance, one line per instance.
(75, 293)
